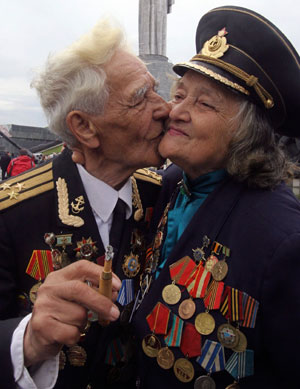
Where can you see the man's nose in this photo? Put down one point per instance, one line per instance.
(162, 109)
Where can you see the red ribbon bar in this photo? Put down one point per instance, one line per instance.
(212, 298)
(190, 341)
(182, 269)
(40, 264)
(198, 282)
(235, 305)
(158, 319)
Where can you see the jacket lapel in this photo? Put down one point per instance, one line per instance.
(73, 211)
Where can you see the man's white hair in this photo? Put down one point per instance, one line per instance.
(75, 79)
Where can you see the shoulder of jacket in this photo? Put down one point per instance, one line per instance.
(148, 175)
(26, 185)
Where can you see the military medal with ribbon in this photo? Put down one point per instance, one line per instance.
(240, 365)
(180, 272)
(212, 360)
(191, 347)
(213, 258)
(220, 269)
(39, 266)
(158, 321)
(165, 357)
(197, 285)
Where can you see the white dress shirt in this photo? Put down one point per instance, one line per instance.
(103, 199)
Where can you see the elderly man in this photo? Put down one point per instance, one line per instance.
(223, 307)
(100, 99)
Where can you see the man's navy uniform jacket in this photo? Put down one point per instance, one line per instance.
(262, 229)
(29, 204)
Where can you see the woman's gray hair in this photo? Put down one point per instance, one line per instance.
(254, 156)
(75, 79)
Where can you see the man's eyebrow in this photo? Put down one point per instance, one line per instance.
(139, 93)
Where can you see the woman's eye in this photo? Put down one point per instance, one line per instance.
(177, 97)
(207, 105)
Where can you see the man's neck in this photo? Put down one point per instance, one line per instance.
(113, 175)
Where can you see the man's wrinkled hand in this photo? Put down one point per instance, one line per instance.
(60, 310)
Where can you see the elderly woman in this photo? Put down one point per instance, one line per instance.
(219, 301)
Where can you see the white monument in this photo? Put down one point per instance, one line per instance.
(152, 41)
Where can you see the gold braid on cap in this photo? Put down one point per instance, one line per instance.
(250, 80)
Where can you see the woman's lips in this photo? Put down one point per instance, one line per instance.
(176, 131)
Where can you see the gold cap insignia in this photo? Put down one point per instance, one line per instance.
(216, 46)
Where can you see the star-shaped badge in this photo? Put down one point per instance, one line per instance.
(5, 186)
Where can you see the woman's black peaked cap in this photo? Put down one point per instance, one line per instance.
(246, 52)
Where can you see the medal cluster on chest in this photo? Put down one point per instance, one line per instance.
(188, 324)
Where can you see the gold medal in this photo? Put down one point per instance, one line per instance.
(205, 323)
(33, 292)
(228, 336)
(165, 358)
(184, 370)
(77, 355)
(171, 294)
(220, 270)
(131, 265)
(151, 345)
(210, 263)
(204, 382)
(242, 344)
(186, 309)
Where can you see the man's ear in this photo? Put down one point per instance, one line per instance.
(83, 129)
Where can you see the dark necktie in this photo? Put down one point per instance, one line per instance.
(116, 230)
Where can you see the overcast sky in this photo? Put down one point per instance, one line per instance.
(31, 29)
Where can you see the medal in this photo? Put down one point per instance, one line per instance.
(158, 321)
(220, 269)
(171, 294)
(181, 270)
(211, 261)
(242, 344)
(250, 308)
(197, 283)
(77, 355)
(199, 253)
(151, 345)
(232, 304)
(165, 358)
(190, 341)
(228, 336)
(205, 323)
(212, 358)
(173, 339)
(114, 352)
(131, 265)
(213, 258)
(213, 295)
(40, 264)
(186, 309)
(184, 370)
(63, 241)
(126, 293)
(204, 382)
(240, 365)
(86, 248)
(33, 292)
